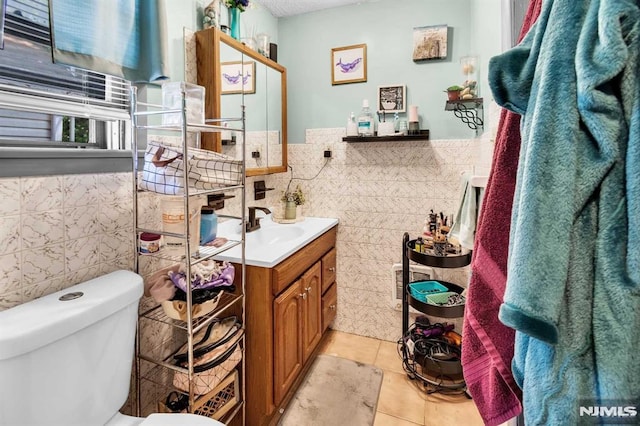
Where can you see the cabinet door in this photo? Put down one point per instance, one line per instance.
(288, 309)
(328, 269)
(312, 317)
(329, 306)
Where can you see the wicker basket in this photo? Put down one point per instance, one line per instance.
(177, 309)
(216, 403)
(440, 298)
(207, 377)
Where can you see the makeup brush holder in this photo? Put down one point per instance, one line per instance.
(414, 128)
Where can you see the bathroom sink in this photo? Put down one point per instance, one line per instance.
(272, 242)
(275, 234)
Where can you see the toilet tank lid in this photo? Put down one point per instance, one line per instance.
(35, 324)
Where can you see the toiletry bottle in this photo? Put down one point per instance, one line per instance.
(352, 126)
(208, 225)
(365, 120)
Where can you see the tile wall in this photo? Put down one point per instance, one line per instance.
(58, 231)
(378, 191)
(61, 230)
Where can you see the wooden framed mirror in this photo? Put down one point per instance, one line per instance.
(233, 75)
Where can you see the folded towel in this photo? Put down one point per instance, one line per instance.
(464, 225)
(204, 275)
(159, 285)
(488, 344)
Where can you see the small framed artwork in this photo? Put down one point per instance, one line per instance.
(349, 64)
(430, 43)
(238, 77)
(392, 98)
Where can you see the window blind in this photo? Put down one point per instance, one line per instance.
(30, 82)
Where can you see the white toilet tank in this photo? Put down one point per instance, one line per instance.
(69, 362)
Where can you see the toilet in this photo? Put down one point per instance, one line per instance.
(66, 358)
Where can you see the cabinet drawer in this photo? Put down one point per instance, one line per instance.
(328, 269)
(285, 272)
(329, 306)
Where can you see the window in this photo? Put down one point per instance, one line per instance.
(51, 105)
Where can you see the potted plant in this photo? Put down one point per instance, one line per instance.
(292, 200)
(453, 92)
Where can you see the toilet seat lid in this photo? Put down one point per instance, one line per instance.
(179, 419)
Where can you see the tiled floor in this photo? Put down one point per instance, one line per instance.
(401, 402)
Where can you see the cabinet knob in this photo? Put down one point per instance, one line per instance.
(332, 307)
(308, 289)
(303, 295)
(332, 269)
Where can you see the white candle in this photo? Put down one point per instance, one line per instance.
(413, 113)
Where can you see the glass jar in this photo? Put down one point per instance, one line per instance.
(149, 243)
(263, 40)
(250, 42)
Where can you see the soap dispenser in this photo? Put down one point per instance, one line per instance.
(352, 126)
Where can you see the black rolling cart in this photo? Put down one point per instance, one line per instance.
(432, 360)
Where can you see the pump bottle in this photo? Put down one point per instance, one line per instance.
(365, 120)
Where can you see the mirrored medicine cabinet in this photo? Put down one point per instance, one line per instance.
(232, 75)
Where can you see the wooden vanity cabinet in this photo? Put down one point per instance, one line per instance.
(285, 323)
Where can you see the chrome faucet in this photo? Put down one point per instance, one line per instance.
(254, 222)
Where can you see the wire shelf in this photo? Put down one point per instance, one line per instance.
(227, 300)
(224, 399)
(203, 253)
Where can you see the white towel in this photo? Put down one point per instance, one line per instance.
(464, 225)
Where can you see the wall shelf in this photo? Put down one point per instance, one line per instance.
(423, 136)
(467, 110)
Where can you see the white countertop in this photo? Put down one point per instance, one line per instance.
(273, 242)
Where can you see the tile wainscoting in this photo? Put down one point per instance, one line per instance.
(58, 231)
(61, 230)
(378, 191)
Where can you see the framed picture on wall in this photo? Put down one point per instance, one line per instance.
(392, 98)
(238, 77)
(430, 43)
(349, 64)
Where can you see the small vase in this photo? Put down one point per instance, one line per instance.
(290, 210)
(234, 22)
(453, 95)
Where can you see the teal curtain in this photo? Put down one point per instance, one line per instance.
(3, 5)
(124, 38)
